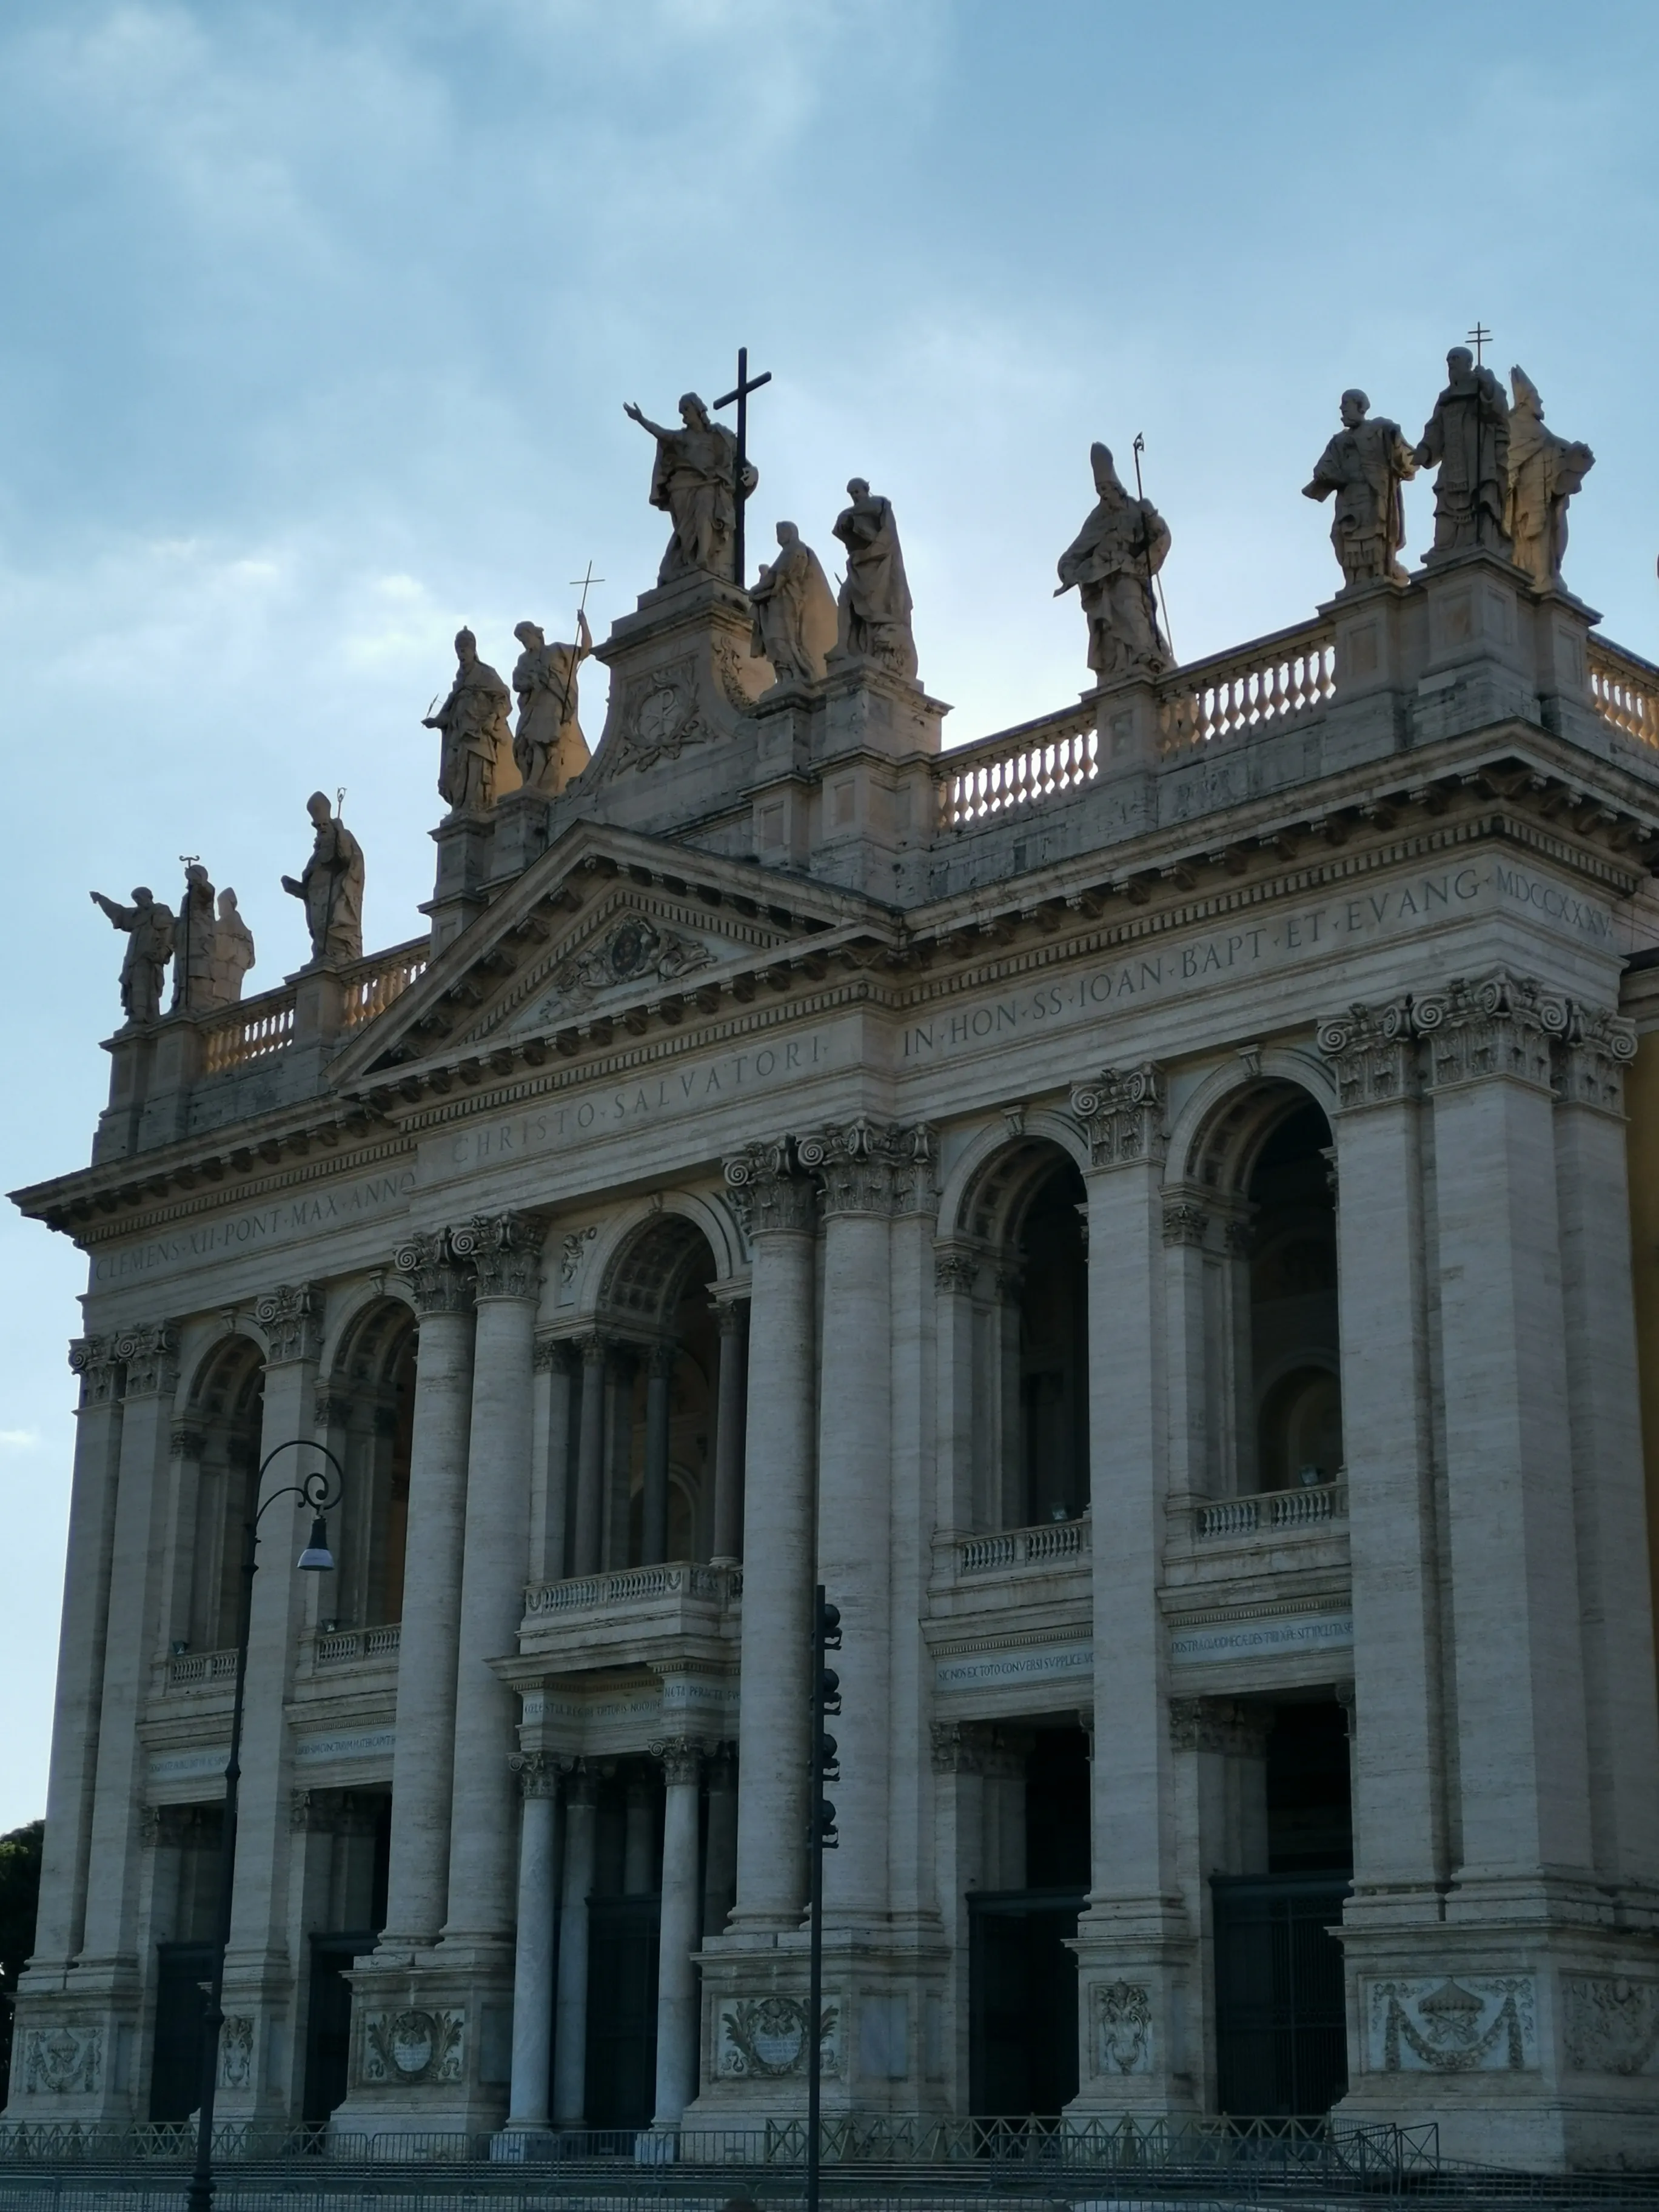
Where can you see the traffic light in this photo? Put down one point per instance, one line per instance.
(826, 1699)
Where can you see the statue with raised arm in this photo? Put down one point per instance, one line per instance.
(1364, 465)
(1466, 441)
(473, 721)
(1112, 562)
(331, 885)
(549, 745)
(795, 621)
(694, 482)
(873, 614)
(233, 950)
(1545, 472)
(149, 927)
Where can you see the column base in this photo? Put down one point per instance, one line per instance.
(1136, 1969)
(431, 2048)
(257, 2043)
(75, 2055)
(882, 2038)
(1525, 2045)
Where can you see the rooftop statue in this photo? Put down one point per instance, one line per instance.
(148, 927)
(873, 617)
(233, 950)
(473, 719)
(1364, 464)
(1467, 440)
(693, 481)
(795, 623)
(193, 943)
(1545, 472)
(1112, 561)
(549, 746)
(331, 885)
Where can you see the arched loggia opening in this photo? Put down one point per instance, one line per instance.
(226, 1408)
(1028, 1379)
(366, 1414)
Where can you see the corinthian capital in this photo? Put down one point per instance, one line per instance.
(682, 1758)
(505, 1250)
(150, 1356)
(94, 1359)
(438, 1280)
(1373, 1054)
(1123, 1116)
(1591, 1057)
(291, 1318)
(1494, 1025)
(872, 1167)
(765, 1191)
(538, 1772)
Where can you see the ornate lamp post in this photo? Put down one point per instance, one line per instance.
(321, 1491)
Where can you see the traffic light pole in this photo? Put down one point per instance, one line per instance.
(821, 1837)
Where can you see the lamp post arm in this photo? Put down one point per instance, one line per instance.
(313, 1490)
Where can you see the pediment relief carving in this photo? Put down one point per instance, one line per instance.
(634, 954)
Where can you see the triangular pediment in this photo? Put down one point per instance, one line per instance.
(605, 926)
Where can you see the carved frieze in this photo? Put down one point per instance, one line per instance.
(506, 1252)
(62, 2061)
(438, 1280)
(1122, 1113)
(872, 1167)
(1451, 2024)
(1612, 2024)
(765, 1191)
(634, 952)
(571, 1252)
(291, 1318)
(412, 2047)
(1373, 1054)
(765, 2037)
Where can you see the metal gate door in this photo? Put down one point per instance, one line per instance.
(328, 2022)
(1022, 2044)
(1281, 2034)
(175, 2076)
(622, 2011)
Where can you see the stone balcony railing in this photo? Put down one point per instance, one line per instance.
(1050, 1544)
(340, 1647)
(1310, 1506)
(635, 1588)
(265, 1024)
(1625, 691)
(185, 1668)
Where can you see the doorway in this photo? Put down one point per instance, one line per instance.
(175, 2080)
(622, 2011)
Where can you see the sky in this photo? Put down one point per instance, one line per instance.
(319, 318)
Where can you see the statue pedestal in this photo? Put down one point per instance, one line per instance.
(875, 740)
(1381, 636)
(465, 845)
(1479, 665)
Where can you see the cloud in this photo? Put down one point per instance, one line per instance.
(20, 1439)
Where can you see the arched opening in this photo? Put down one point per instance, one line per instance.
(227, 1408)
(663, 1380)
(366, 1415)
(1296, 1394)
(1028, 1375)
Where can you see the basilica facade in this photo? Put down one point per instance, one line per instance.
(1138, 1206)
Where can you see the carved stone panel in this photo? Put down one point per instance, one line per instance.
(764, 2039)
(1452, 2024)
(1612, 2024)
(62, 2061)
(1122, 2016)
(413, 2045)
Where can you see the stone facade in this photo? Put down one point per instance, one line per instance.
(674, 1228)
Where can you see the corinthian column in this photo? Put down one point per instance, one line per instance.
(729, 1319)
(532, 1965)
(777, 1544)
(677, 1975)
(506, 1252)
(1134, 1932)
(417, 1878)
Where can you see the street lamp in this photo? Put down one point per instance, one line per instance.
(314, 1490)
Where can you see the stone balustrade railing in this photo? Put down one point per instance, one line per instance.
(1049, 1542)
(636, 1586)
(1305, 1507)
(265, 1024)
(201, 1667)
(1625, 691)
(337, 1647)
(1016, 768)
(1234, 694)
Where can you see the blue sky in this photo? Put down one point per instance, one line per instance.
(319, 317)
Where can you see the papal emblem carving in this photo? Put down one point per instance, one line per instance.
(413, 2045)
(59, 2061)
(766, 2037)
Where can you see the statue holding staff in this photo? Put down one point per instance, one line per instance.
(694, 480)
(1112, 562)
(1466, 441)
(331, 885)
(549, 746)
(473, 721)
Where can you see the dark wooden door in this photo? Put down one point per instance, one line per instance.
(328, 2022)
(1281, 2029)
(1021, 2047)
(622, 2011)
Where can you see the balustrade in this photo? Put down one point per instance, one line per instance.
(1278, 679)
(1045, 1544)
(1038, 761)
(339, 1646)
(1625, 691)
(636, 1586)
(247, 1031)
(1308, 1508)
(186, 1666)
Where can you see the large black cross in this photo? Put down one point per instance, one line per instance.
(740, 393)
(1481, 337)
